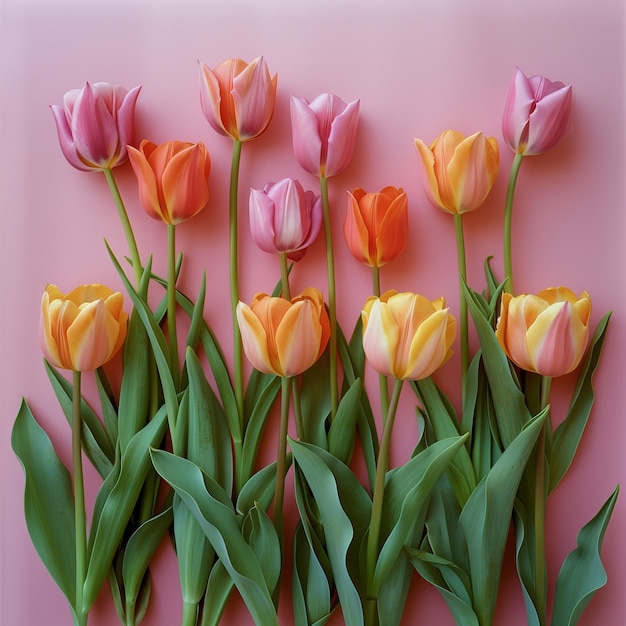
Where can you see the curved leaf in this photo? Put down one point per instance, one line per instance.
(582, 573)
(213, 510)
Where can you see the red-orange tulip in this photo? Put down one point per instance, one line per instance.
(84, 329)
(284, 337)
(172, 177)
(376, 225)
(459, 171)
(546, 333)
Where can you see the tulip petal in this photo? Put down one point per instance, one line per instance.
(342, 139)
(307, 142)
(254, 339)
(381, 336)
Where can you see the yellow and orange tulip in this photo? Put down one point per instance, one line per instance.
(284, 337)
(83, 329)
(376, 225)
(459, 171)
(406, 336)
(172, 178)
(545, 333)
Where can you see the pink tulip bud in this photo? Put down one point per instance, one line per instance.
(237, 98)
(284, 218)
(324, 133)
(95, 124)
(537, 113)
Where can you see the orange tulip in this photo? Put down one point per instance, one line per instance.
(284, 337)
(172, 177)
(376, 225)
(406, 336)
(460, 171)
(546, 333)
(84, 329)
(237, 98)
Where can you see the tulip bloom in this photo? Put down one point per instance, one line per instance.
(459, 171)
(324, 133)
(284, 337)
(284, 218)
(407, 336)
(95, 124)
(546, 333)
(376, 225)
(537, 113)
(237, 98)
(172, 177)
(84, 329)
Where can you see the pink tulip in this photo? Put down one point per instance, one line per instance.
(95, 124)
(284, 218)
(237, 98)
(537, 113)
(324, 133)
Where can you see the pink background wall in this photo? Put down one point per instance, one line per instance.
(419, 68)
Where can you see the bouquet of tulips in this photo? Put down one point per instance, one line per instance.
(177, 446)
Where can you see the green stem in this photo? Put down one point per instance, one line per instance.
(460, 250)
(234, 298)
(190, 614)
(382, 379)
(284, 276)
(128, 230)
(373, 538)
(80, 521)
(508, 222)
(540, 512)
(171, 302)
(332, 304)
(281, 470)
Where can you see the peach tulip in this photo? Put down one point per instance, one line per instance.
(95, 124)
(406, 336)
(545, 333)
(376, 225)
(284, 337)
(537, 113)
(324, 133)
(284, 218)
(83, 329)
(459, 171)
(172, 177)
(237, 98)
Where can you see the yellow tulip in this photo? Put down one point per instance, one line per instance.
(407, 336)
(284, 337)
(545, 333)
(83, 329)
(459, 171)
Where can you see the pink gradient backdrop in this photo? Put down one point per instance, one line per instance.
(419, 68)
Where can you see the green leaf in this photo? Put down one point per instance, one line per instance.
(213, 510)
(260, 533)
(569, 432)
(342, 430)
(406, 491)
(315, 402)
(113, 512)
(108, 403)
(582, 573)
(259, 488)
(135, 387)
(138, 553)
(335, 489)
(485, 518)
(48, 501)
(218, 591)
(99, 448)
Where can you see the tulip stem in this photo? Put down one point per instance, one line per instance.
(373, 538)
(281, 469)
(171, 302)
(332, 304)
(234, 296)
(80, 522)
(382, 379)
(460, 248)
(128, 230)
(284, 276)
(508, 222)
